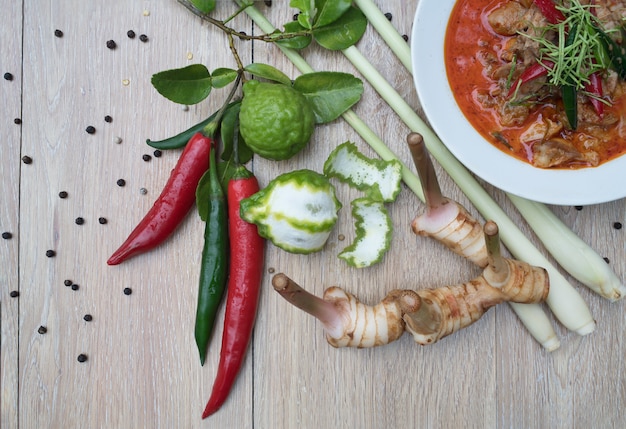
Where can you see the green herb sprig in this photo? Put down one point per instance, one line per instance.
(584, 55)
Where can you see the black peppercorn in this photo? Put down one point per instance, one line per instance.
(90, 129)
(87, 318)
(579, 208)
(268, 3)
(143, 38)
(146, 157)
(405, 37)
(102, 220)
(68, 282)
(58, 33)
(108, 119)
(62, 194)
(388, 16)
(75, 286)
(50, 253)
(607, 260)
(79, 221)
(17, 121)
(8, 76)
(111, 44)
(82, 357)
(7, 235)
(158, 153)
(617, 225)
(27, 159)
(42, 330)
(14, 294)
(127, 291)
(121, 182)
(130, 34)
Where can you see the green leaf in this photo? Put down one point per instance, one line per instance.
(342, 33)
(230, 126)
(330, 93)
(294, 42)
(225, 171)
(329, 11)
(305, 7)
(203, 195)
(204, 6)
(188, 85)
(266, 71)
(222, 77)
(304, 20)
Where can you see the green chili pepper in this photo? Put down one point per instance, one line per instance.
(568, 90)
(181, 139)
(214, 268)
(615, 52)
(570, 104)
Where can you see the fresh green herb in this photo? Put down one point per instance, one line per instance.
(575, 57)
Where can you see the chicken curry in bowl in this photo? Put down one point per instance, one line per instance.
(542, 80)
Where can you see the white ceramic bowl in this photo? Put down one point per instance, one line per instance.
(562, 187)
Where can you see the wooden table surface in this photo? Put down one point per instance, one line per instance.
(142, 368)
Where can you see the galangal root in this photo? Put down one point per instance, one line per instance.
(444, 220)
(451, 224)
(428, 314)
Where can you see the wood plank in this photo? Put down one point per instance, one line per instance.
(399, 385)
(10, 165)
(142, 367)
(580, 384)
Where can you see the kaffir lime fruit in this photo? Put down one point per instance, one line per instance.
(275, 120)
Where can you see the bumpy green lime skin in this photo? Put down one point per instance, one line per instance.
(275, 120)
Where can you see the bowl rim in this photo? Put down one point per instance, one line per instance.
(585, 186)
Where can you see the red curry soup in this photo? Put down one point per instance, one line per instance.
(540, 82)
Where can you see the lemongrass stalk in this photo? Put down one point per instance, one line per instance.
(387, 32)
(573, 254)
(595, 273)
(531, 315)
(394, 40)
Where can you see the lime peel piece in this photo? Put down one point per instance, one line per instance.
(374, 230)
(379, 179)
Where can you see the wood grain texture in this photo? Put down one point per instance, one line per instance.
(142, 368)
(10, 166)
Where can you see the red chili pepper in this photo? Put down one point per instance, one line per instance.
(592, 9)
(244, 284)
(549, 10)
(530, 73)
(594, 87)
(175, 201)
